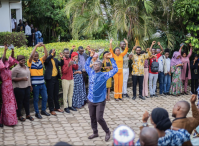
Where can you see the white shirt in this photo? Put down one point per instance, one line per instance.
(160, 61)
(28, 30)
(168, 62)
(13, 21)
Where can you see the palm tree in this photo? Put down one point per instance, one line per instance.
(132, 19)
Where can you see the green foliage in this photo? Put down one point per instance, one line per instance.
(18, 39)
(118, 19)
(59, 46)
(49, 17)
(188, 10)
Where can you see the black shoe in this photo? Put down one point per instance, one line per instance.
(38, 116)
(127, 95)
(146, 96)
(123, 95)
(155, 95)
(162, 94)
(134, 97)
(45, 113)
(151, 96)
(165, 93)
(72, 109)
(141, 97)
(67, 110)
(1, 125)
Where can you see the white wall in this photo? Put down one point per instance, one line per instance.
(5, 14)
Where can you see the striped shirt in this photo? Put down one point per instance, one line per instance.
(36, 71)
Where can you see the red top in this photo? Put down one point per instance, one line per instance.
(67, 72)
(150, 62)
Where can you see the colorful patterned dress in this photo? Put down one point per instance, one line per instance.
(9, 106)
(176, 84)
(79, 92)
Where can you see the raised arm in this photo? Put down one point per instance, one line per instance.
(181, 49)
(153, 43)
(148, 55)
(195, 111)
(162, 50)
(48, 59)
(111, 73)
(33, 53)
(45, 53)
(4, 53)
(191, 50)
(100, 52)
(71, 51)
(126, 49)
(88, 61)
(111, 48)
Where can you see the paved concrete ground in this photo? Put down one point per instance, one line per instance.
(74, 128)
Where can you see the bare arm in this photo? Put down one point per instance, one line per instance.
(33, 53)
(4, 54)
(162, 50)
(45, 52)
(153, 43)
(190, 53)
(181, 49)
(12, 53)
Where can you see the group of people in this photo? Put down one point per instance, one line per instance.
(33, 35)
(18, 83)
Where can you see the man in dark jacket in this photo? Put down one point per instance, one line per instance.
(51, 75)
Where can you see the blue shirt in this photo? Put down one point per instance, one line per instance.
(97, 81)
(172, 138)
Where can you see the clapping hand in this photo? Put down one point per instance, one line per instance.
(193, 99)
(109, 55)
(73, 47)
(125, 41)
(145, 117)
(154, 42)
(61, 55)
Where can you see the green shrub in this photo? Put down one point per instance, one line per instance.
(18, 39)
(59, 46)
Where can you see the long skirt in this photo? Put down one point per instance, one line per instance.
(79, 92)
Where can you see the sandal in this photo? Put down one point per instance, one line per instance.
(21, 119)
(30, 118)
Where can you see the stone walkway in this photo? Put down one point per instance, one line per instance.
(75, 128)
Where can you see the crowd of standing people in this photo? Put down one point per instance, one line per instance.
(76, 67)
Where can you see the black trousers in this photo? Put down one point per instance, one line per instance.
(29, 38)
(22, 96)
(96, 111)
(53, 93)
(138, 79)
(194, 85)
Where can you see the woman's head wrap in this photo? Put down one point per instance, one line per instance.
(161, 118)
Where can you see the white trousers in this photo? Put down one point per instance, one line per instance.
(125, 80)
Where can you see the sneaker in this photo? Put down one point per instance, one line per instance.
(155, 95)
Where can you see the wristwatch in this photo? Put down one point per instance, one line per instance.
(145, 124)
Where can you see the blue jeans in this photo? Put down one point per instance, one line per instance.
(161, 81)
(167, 83)
(40, 89)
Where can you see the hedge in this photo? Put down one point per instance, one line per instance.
(59, 46)
(18, 39)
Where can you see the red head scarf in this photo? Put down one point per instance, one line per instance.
(74, 54)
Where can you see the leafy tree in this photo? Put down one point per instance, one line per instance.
(187, 11)
(135, 20)
(49, 16)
